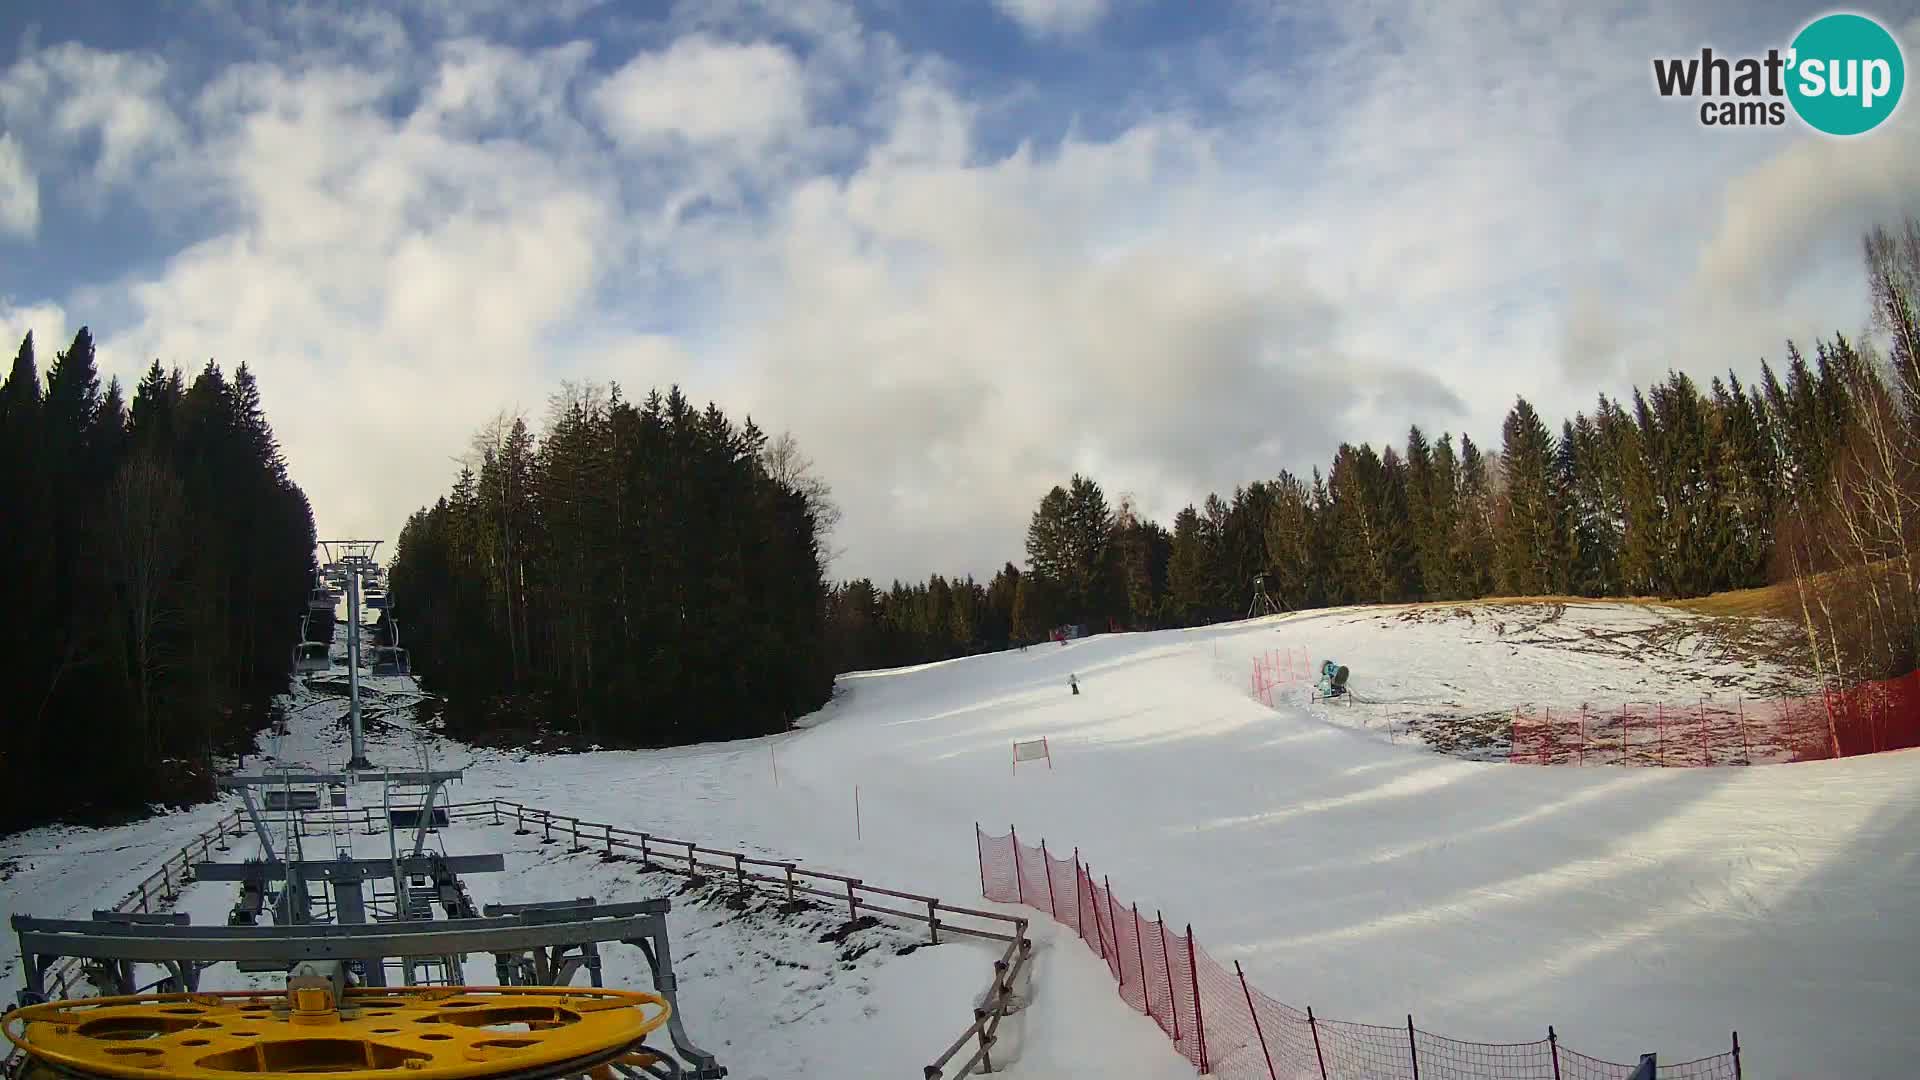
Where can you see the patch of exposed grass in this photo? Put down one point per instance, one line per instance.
(1766, 602)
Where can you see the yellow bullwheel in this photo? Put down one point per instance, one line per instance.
(415, 1033)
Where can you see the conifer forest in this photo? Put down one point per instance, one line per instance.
(159, 561)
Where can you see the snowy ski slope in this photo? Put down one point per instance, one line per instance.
(1343, 864)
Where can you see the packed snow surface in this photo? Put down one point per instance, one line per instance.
(1345, 864)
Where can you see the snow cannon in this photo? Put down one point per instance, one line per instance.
(369, 1033)
(1333, 679)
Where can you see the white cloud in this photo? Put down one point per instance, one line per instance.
(391, 280)
(705, 92)
(1047, 17)
(801, 219)
(959, 337)
(19, 191)
(48, 324)
(110, 105)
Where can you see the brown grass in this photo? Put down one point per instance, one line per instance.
(1766, 602)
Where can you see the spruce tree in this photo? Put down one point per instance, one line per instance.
(1530, 542)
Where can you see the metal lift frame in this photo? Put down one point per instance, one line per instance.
(187, 950)
(434, 780)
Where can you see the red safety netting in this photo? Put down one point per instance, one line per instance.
(1276, 669)
(1866, 719)
(1220, 1022)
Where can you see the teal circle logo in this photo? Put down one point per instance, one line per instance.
(1846, 74)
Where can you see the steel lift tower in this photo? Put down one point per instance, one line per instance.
(356, 557)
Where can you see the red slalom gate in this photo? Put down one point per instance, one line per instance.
(1225, 1026)
(1869, 718)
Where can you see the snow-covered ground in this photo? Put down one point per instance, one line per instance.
(1451, 675)
(1345, 865)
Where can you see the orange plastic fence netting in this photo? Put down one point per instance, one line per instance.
(1219, 1021)
(1866, 719)
(1276, 669)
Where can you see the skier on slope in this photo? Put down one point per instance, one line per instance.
(1074, 682)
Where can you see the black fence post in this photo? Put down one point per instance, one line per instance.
(1314, 1027)
(1413, 1049)
(1265, 1054)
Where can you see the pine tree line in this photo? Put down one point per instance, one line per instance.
(1674, 494)
(1679, 491)
(639, 576)
(159, 562)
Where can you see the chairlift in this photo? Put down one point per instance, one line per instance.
(310, 657)
(321, 599)
(377, 600)
(389, 660)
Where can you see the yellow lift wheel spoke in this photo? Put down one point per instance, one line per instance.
(415, 1033)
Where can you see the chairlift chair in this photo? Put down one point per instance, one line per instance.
(377, 600)
(389, 660)
(310, 657)
(321, 599)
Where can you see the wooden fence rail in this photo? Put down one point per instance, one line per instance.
(779, 876)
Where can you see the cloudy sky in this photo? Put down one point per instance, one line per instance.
(960, 250)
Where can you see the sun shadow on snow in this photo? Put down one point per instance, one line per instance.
(1616, 906)
(1768, 912)
(1482, 863)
